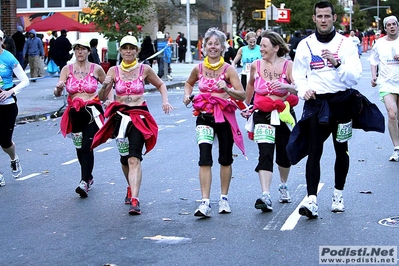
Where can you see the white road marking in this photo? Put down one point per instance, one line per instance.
(293, 219)
(105, 149)
(28, 176)
(70, 162)
(180, 121)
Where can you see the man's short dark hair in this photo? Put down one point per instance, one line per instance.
(93, 42)
(323, 4)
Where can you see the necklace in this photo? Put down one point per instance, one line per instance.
(214, 66)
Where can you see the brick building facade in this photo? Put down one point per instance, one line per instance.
(8, 16)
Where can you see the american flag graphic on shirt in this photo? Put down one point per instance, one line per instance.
(317, 62)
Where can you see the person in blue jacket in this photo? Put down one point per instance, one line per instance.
(33, 48)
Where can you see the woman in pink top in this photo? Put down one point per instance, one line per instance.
(84, 114)
(218, 83)
(271, 81)
(129, 120)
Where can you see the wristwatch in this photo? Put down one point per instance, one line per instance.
(338, 64)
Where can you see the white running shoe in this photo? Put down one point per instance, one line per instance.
(264, 203)
(309, 209)
(224, 206)
(284, 194)
(337, 203)
(395, 156)
(2, 180)
(16, 168)
(204, 210)
(82, 189)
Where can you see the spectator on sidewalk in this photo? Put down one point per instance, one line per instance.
(229, 54)
(293, 43)
(9, 44)
(54, 35)
(34, 49)
(8, 106)
(61, 48)
(19, 40)
(147, 50)
(112, 52)
(182, 48)
(93, 56)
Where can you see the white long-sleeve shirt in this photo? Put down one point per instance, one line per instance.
(311, 71)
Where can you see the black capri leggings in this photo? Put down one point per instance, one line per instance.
(266, 150)
(83, 121)
(225, 138)
(8, 116)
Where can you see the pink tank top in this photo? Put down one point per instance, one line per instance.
(262, 86)
(88, 84)
(209, 85)
(133, 87)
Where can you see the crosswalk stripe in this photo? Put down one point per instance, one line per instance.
(293, 219)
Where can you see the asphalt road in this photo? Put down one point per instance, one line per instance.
(44, 222)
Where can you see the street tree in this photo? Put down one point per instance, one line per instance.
(116, 18)
(301, 14)
(172, 12)
(373, 9)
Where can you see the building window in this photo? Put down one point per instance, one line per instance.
(71, 3)
(22, 4)
(47, 3)
(36, 3)
(54, 3)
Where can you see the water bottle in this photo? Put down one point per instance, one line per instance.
(1, 83)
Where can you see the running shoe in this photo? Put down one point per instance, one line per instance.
(337, 203)
(284, 194)
(224, 206)
(204, 210)
(264, 203)
(82, 189)
(395, 156)
(134, 207)
(309, 209)
(128, 196)
(2, 180)
(90, 184)
(16, 168)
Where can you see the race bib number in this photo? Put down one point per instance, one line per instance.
(344, 132)
(204, 134)
(77, 139)
(247, 68)
(264, 133)
(123, 146)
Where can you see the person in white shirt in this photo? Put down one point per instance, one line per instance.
(326, 67)
(385, 56)
(355, 40)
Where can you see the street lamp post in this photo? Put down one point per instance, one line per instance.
(378, 15)
(350, 3)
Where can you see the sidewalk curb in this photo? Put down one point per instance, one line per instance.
(20, 120)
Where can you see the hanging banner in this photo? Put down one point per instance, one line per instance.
(284, 15)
